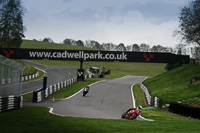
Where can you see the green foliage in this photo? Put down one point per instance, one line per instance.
(171, 66)
(79, 43)
(135, 48)
(174, 85)
(11, 23)
(189, 22)
(48, 39)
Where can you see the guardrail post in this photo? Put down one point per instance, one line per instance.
(44, 83)
(34, 96)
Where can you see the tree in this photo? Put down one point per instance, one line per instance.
(47, 39)
(158, 48)
(80, 43)
(121, 47)
(98, 45)
(135, 48)
(144, 47)
(11, 23)
(195, 52)
(180, 49)
(129, 48)
(189, 23)
(109, 46)
(93, 44)
(67, 41)
(89, 44)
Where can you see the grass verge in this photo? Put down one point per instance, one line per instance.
(68, 91)
(37, 119)
(29, 69)
(139, 97)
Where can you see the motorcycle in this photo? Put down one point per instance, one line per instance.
(85, 90)
(131, 114)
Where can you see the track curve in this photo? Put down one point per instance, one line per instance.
(108, 100)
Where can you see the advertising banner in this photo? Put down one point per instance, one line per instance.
(92, 55)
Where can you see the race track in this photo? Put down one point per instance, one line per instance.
(107, 99)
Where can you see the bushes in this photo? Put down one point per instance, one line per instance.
(185, 110)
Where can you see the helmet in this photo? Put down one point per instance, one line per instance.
(140, 107)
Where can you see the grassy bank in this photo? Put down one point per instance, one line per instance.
(118, 69)
(174, 85)
(45, 45)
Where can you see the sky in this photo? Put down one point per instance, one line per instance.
(117, 21)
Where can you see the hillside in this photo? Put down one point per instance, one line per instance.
(174, 85)
(45, 45)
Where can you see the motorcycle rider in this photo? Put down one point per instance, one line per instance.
(85, 90)
(139, 108)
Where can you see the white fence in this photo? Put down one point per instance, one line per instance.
(42, 94)
(29, 77)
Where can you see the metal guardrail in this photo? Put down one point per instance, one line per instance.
(151, 101)
(10, 77)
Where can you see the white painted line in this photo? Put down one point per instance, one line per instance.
(51, 111)
(74, 94)
(134, 106)
(145, 118)
(27, 93)
(83, 88)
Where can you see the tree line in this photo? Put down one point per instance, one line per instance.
(120, 47)
(12, 31)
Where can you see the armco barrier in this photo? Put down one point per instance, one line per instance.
(10, 102)
(147, 95)
(151, 101)
(40, 95)
(185, 110)
(29, 77)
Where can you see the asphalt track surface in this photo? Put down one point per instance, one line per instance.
(107, 100)
(28, 87)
